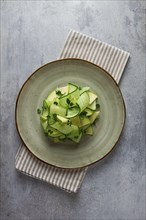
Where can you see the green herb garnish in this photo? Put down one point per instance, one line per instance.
(69, 122)
(68, 101)
(50, 131)
(39, 111)
(55, 103)
(55, 116)
(58, 92)
(83, 113)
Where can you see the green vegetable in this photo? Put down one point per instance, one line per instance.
(92, 97)
(89, 130)
(69, 112)
(92, 106)
(39, 111)
(58, 92)
(72, 112)
(83, 101)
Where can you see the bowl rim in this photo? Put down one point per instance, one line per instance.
(55, 61)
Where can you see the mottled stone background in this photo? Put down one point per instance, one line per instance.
(33, 33)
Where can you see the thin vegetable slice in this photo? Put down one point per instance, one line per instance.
(64, 90)
(53, 132)
(84, 89)
(62, 119)
(63, 128)
(93, 117)
(44, 124)
(85, 121)
(88, 111)
(72, 87)
(92, 97)
(45, 110)
(83, 101)
(89, 130)
(55, 109)
(72, 112)
(50, 98)
(76, 121)
(92, 106)
(75, 134)
(70, 99)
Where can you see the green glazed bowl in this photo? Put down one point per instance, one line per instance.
(106, 131)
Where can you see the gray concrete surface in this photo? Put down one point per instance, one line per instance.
(33, 33)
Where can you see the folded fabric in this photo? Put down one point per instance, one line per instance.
(110, 58)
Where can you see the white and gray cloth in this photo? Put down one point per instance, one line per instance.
(110, 58)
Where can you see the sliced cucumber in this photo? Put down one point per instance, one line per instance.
(45, 109)
(85, 121)
(89, 130)
(43, 118)
(92, 97)
(44, 124)
(72, 112)
(93, 117)
(53, 132)
(62, 119)
(68, 112)
(64, 128)
(69, 99)
(59, 139)
(72, 87)
(89, 112)
(84, 128)
(75, 134)
(74, 96)
(64, 90)
(92, 106)
(51, 119)
(55, 109)
(63, 100)
(77, 140)
(83, 101)
(84, 89)
(76, 121)
(49, 100)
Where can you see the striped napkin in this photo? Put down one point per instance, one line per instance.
(111, 59)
